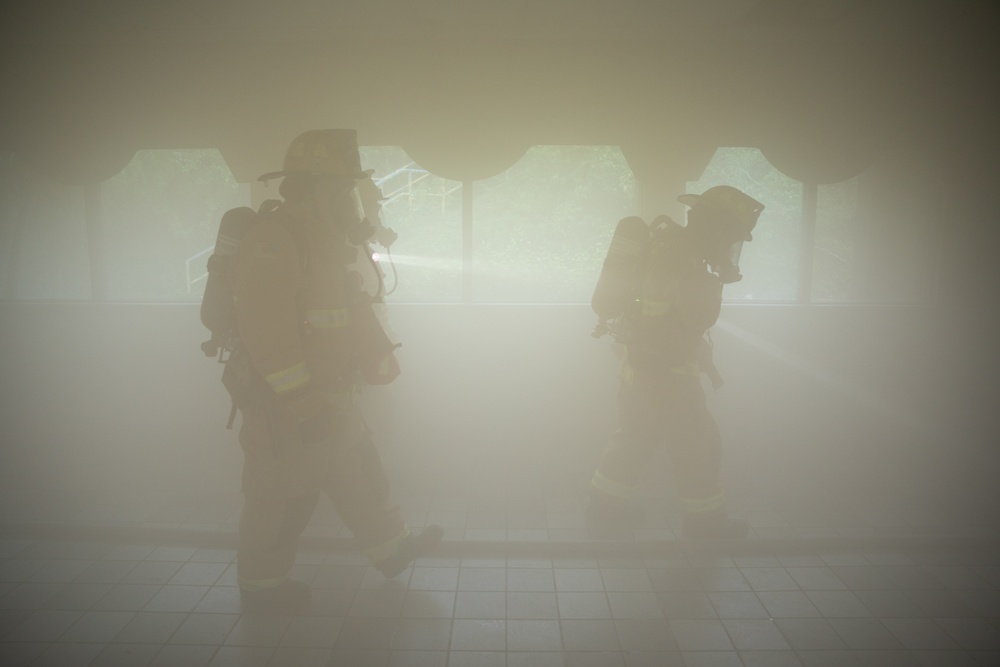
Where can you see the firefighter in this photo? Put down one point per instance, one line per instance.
(311, 337)
(661, 289)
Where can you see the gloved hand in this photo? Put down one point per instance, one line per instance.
(381, 371)
(309, 410)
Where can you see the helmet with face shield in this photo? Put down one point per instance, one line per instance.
(325, 166)
(322, 153)
(722, 219)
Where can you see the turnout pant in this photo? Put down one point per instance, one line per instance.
(282, 482)
(666, 408)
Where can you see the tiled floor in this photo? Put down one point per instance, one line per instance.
(521, 580)
(139, 571)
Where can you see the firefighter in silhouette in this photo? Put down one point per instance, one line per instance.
(659, 293)
(311, 339)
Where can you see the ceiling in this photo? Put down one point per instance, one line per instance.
(212, 21)
(467, 85)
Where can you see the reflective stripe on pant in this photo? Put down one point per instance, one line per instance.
(666, 409)
(282, 482)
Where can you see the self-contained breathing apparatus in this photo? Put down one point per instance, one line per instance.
(316, 153)
(218, 310)
(617, 293)
(617, 299)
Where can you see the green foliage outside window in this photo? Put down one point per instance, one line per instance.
(540, 230)
(836, 228)
(426, 212)
(160, 211)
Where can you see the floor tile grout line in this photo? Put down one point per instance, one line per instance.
(507, 549)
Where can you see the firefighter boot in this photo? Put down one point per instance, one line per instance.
(713, 526)
(288, 597)
(603, 511)
(411, 549)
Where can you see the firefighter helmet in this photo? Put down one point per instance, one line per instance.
(322, 153)
(729, 204)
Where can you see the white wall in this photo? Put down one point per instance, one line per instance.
(101, 400)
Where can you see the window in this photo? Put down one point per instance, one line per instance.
(161, 216)
(536, 233)
(773, 264)
(542, 228)
(833, 258)
(425, 262)
(539, 230)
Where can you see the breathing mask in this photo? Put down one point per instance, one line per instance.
(723, 219)
(726, 263)
(340, 204)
